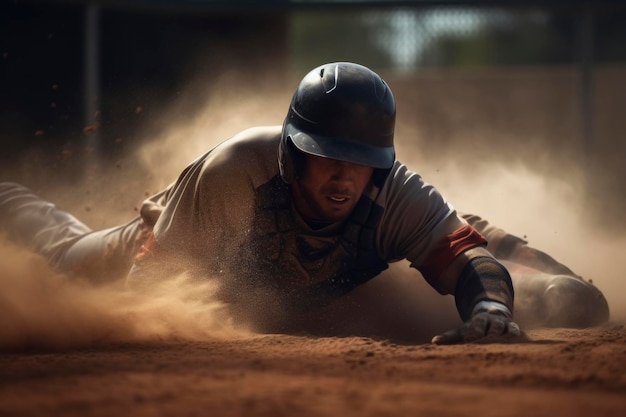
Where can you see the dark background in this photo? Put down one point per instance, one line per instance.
(145, 54)
(78, 77)
(146, 50)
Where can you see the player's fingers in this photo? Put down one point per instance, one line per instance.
(475, 328)
(484, 328)
(497, 326)
(448, 338)
(513, 329)
(512, 334)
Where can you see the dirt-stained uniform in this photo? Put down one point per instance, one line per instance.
(231, 214)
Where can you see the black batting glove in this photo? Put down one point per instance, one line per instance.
(491, 322)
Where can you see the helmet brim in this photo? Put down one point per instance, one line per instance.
(342, 150)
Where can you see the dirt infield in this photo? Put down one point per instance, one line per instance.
(560, 372)
(69, 349)
(78, 351)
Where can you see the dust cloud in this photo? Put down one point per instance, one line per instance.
(43, 310)
(219, 112)
(547, 206)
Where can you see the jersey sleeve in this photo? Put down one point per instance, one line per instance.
(507, 247)
(421, 226)
(209, 210)
(501, 243)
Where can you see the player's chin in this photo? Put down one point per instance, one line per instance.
(338, 212)
(333, 216)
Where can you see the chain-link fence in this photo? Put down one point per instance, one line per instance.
(540, 80)
(410, 38)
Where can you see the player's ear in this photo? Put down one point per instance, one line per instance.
(291, 161)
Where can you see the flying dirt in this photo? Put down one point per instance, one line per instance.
(72, 348)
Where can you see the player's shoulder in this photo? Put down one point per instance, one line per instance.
(259, 137)
(247, 146)
(401, 176)
(405, 187)
(251, 154)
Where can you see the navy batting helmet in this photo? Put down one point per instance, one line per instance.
(342, 111)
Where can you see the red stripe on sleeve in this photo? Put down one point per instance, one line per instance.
(147, 250)
(444, 252)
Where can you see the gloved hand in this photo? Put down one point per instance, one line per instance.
(490, 322)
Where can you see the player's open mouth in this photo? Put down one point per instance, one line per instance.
(338, 199)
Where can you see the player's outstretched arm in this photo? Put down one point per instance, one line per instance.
(484, 299)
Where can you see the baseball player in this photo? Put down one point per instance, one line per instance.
(292, 217)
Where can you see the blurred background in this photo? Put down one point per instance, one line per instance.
(85, 84)
(513, 109)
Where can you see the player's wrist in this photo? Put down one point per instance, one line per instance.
(494, 307)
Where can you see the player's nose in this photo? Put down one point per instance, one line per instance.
(342, 170)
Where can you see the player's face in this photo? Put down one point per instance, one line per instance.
(329, 189)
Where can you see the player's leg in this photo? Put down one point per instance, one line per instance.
(547, 293)
(39, 225)
(548, 300)
(105, 255)
(65, 242)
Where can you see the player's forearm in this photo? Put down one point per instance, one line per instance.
(483, 279)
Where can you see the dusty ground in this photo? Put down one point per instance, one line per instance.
(560, 372)
(71, 349)
(75, 351)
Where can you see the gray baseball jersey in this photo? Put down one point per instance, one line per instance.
(230, 214)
